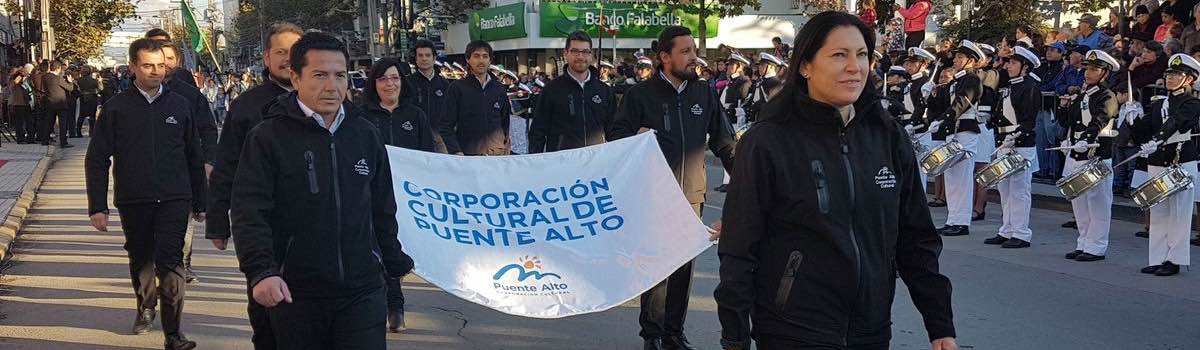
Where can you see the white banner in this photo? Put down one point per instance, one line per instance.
(546, 235)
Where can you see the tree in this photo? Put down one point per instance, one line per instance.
(440, 14)
(82, 26)
(326, 15)
(719, 8)
(991, 21)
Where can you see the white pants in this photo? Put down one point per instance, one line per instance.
(1015, 200)
(1171, 223)
(960, 183)
(1093, 212)
(726, 180)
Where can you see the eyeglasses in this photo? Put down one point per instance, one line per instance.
(580, 52)
(391, 78)
(1173, 74)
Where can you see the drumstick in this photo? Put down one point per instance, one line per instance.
(1127, 160)
(998, 149)
(1090, 145)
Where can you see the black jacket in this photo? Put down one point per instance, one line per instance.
(476, 118)
(154, 151)
(819, 219)
(245, 112)
(404, 127)
(735, 94)
(917, 98)
(89, 89)
(315, 208)
(684, 122)
(1102, 104)
(1026, 100)
(1183, 111)
(430, 96)
(58, 92)
(206, 125)
(965, 92)
(936, 106)
(568, 116)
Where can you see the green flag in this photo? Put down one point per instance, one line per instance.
(193, 28)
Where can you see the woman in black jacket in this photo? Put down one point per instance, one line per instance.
(824, 209)
(401, 124)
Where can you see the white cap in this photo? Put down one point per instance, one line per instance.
(1098, 57)
(898, 70)
(919, 53)
(604, 63)
(739, 58)
(769, 58)
(1029, 57)
(645, 61)
(1184, 63)
(509, 73)
(701, 62)
(970, 48)
(987, 49)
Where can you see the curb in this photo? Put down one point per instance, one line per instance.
(16, 216)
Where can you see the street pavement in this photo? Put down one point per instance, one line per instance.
(68, 288)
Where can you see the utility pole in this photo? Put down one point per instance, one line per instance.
(372, 28)
(47, 44)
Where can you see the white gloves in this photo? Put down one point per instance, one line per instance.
(1063, 146)
(1080, 146)
(1149, 148)
(739, 112)
(909, 129)
(1009, 141)
(933, 127)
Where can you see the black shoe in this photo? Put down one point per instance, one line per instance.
(1149, 270)
(1070, 224)
(1015, 243)
(1089, 257)
(45, 143)
(720, 188)
(978, 216)
(937, 203)
(395, 320)
(189, 276)
(141, 325)
(1074, 254)
(1142, 234)
(1168, 268)
(956, 230)
(995, 240)
(677, 342)
(66, 146)
(652, 344)
(178, 342)
(1196, 241)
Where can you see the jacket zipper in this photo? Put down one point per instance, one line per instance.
(571, 109)
(337, 202)
(789, 278)
(822, 186)
(845, 154)
(682, 141)
(286, 254)
(311, 169)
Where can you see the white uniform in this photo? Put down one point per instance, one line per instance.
(960, 179)
(1015, 197)
(1171, 223)
(1093, 210)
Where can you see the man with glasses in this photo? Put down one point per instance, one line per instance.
(576, 108)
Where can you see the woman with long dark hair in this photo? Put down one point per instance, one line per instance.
(825, 207)
(400, 124)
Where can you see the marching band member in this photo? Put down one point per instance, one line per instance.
(1019, 104)
(1172, 121)
(988, 102)
(960, 119)
(733, 98)
(917, 64)
(896, 86)
(1084, 115)
(936, 105)
(764, 87)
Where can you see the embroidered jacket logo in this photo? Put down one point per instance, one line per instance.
(171, 120)
(361, 167)
(885, 178)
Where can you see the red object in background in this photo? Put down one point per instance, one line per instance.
(3, 161)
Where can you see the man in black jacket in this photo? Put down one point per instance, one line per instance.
(313, 210)
(151, 137)
(475, 122)
(428, 88)
(244, 113)
(686, 116)
(575, 109)
(89, 98)
(59, 99)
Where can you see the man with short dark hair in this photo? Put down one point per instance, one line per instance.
(245, 112)
(476, 122)
(429, 88)
(315, 247)
(575, 109)
(686, 116)
(59, 104)
(148, 137)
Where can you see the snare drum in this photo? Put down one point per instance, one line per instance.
(937, 160)
(1166, 184)
(1084, 178)
(1001, 168)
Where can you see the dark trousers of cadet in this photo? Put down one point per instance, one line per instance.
(87, 114)
(355, 322)
(664, 306)
(21, 118)
(395, 296)
(766, 343)
(263, 336)
(154, 240)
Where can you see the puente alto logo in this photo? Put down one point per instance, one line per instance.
(526, 268)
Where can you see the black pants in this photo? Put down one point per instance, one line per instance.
(154, 241)
(21, 119)
(767, 343)
(63, 117)
(664, 306)
(87, 114)
(395, 296)
(263, 335)
(357, 322)
(913, 39)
